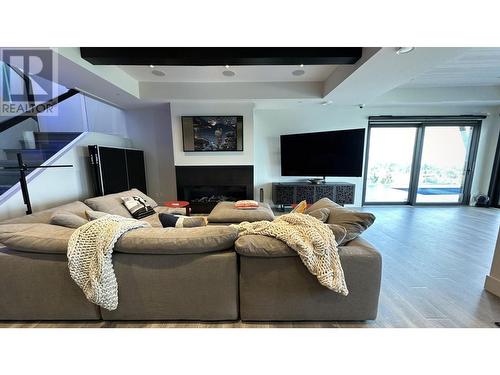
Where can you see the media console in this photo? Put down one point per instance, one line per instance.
(287, 193)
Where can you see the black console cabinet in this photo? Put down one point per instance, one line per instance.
(287, 193)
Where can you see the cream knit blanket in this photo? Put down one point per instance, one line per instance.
(89, 257)
(313, 241)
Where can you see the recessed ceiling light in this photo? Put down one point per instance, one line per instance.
(158, 73)
(301, 65)
(152, 66)
(228, 73)
(403, 50)
(326, 102)
(227, 66)
(298, 72)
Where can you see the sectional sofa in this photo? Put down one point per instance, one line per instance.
(204, 273)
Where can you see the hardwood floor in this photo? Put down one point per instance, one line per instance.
(435, 260)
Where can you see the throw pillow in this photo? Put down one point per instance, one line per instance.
(246, 205)
(339, 232)
(137, 207)
(168, 220)
(355, 222)
(300, 208)
(322, 203)
(320, 214)
(67, 219)
(93, 215)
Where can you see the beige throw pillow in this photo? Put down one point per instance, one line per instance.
(320, 214)
(67, 219)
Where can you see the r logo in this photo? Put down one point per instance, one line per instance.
(38, 64)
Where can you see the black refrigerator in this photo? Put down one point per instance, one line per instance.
(117, 169)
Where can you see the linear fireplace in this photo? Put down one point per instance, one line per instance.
(205, 186)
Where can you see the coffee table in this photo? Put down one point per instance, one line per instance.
(179, 204)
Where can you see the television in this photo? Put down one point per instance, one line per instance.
(333, 153)
(212, 133)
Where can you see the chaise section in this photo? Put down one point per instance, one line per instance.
(38, 287)
(276, 286)
(176, 287)
(176, 274)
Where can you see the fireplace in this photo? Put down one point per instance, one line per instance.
(205, 186)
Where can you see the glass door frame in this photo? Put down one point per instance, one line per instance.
(494, 189)
(417, 159)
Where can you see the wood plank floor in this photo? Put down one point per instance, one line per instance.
(435, 260)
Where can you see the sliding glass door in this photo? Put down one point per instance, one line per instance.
(390, 164)
(443, 166)
(420, 163)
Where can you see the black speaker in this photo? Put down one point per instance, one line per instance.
(261, 195)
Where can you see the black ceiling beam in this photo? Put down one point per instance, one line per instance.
(212, 56)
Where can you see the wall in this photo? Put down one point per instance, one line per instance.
(245, 157)
(104, 118)
(271, 123)
(150, 130)
(56, 186)
(492, 282)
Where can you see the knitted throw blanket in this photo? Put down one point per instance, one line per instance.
(89, 257)
(313, 241)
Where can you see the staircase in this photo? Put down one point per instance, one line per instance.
(31, 133)
(46, 145)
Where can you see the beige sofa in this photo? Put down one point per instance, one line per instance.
(181, 274)
(178, 274)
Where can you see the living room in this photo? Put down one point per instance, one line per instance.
(251, 184)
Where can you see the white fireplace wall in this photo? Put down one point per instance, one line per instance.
(181, 158)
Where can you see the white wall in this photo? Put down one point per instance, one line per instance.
(271, 123)
(245, 157)
(150, 130)
(56, 186)
(104, 118)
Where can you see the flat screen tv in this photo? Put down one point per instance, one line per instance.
(212, 133)
(334, 153)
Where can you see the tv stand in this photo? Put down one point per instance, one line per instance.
(288, 193)
(317, 181)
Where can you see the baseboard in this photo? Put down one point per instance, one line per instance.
(492, 285)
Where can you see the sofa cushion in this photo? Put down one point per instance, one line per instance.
(322, 203)
(355, 222)
(256, 245)
(225, 212)
(321, 214)
(44, 216)
(177, 240)
(94, 215)
(67, 219)
(339, 232)
(36, 237)
(113, 204)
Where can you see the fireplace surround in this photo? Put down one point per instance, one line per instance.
(205, 186)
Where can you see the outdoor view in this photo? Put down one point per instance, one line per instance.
(444, 155)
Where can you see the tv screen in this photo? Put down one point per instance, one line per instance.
(335, 153)
(212, 133)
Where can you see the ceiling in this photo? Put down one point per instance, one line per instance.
(380, 77)
(476, 67)
(248, 73)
